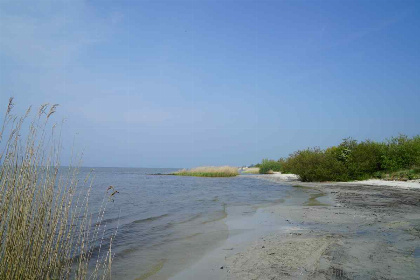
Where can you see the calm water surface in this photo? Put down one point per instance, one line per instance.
(165, 222)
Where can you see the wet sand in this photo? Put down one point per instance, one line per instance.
(328, 231)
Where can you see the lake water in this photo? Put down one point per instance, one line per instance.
(167, 222)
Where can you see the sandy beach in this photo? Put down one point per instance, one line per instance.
(353, 230)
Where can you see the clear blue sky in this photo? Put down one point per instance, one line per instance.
(187, 83)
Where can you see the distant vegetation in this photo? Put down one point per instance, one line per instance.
(397, 158)
(45, 223)
(268, 166)
(251, 170)
(209, 171)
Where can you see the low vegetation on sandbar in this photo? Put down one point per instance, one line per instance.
(209, 171)
(269, 166)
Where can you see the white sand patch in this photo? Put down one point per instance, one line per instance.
(414, 184)
(287, 178)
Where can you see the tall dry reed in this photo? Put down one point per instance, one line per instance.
(46, 227)
(251, 170)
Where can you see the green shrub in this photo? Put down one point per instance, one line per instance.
(401, 152)
(364, 160)
(268, 166)
(357, 161)
(315, 165)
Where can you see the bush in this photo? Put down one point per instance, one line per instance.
(356, 161)
(268, 166)
(315, 165)
(364, 160)
(401, 152)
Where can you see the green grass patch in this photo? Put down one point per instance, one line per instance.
(401, 175)
(269, 166)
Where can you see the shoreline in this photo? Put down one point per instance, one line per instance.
(294, 179)
(365, 229)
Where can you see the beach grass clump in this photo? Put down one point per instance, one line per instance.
(209, 171)
(400, 175)
(252, 170)
(46, 227)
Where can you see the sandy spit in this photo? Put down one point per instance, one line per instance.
(371, 231)
(287, 178)
(355, 230)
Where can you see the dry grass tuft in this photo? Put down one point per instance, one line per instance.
(209, 171)
(252, 170)
(45, 224)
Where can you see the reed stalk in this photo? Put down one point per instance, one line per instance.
(46, 227)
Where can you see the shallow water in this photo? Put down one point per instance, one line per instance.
(166, 222)
(417, 252)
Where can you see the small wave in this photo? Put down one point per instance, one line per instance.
(149, 219)
(127, 251)
(214, 199)
(221, 217)
(169, 240)
(109, 220)
(190, 219)
(136, 225)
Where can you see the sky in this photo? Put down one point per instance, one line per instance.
(191, 83)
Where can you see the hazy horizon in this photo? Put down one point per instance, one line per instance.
(152, 84)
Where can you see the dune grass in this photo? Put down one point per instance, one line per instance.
(209, 171)
(252, 170)
(400, 175)
(46, 228)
